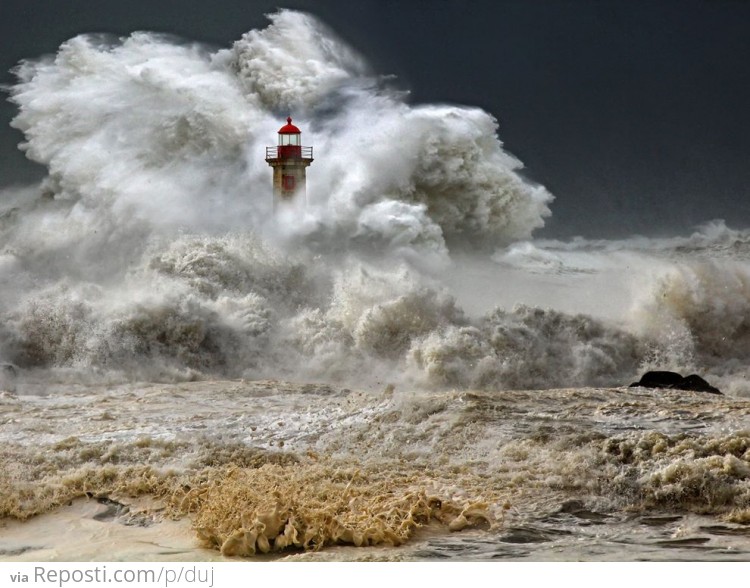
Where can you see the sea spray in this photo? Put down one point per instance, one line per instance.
(150, 305)
(151, 242)
(150, 249)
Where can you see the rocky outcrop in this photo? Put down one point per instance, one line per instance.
(673, 380)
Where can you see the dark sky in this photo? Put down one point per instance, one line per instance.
(635, 114)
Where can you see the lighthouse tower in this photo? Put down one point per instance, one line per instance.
(289, 159)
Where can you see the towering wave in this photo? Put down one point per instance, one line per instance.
(146, 238)
(150, 249)
(146, 130)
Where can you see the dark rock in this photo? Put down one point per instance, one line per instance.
(697, 384)
(674, 381)
(658, 380)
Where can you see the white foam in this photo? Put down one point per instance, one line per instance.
(150, 249)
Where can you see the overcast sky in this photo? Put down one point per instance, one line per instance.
(635, 114)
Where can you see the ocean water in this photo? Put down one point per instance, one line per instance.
(399, 371)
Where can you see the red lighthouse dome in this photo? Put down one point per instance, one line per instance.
(289, 135)
(289, 128)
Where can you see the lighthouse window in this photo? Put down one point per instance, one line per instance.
(287, 139)
(288, 183)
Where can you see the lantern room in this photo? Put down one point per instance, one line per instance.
(289, 134)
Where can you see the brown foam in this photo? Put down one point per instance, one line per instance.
(271, 508)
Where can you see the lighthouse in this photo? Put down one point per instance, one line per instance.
(289, 160)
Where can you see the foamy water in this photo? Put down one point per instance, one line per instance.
(401, 366)
(622, 473)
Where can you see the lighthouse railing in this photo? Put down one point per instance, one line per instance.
(285, 152)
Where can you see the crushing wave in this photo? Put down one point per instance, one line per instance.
(151, 246)
(150, 250)
(164, 334)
